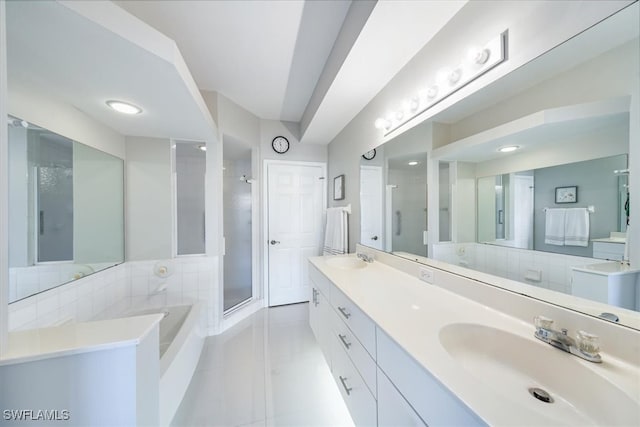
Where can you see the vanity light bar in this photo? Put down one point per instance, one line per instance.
(446, 82)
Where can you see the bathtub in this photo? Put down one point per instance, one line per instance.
(181, 343)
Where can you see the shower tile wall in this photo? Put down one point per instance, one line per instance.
(119, 289)
(513, 263)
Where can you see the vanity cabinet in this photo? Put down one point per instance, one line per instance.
(319, 319)
(393, 409)
(379, 382)
(432, 402)
(609, 283)
(608, 250)
(341, 330)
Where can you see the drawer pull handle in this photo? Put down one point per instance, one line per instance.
(344, 312)
(343, 380)
(346, 343)
(315, 297)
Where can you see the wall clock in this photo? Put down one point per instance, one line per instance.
(369, 155)
(280, 144)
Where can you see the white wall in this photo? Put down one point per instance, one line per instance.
(534, 28)
(148, 199)
(4, 188)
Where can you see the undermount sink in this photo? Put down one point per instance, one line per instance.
(346, 263)
(512, 366)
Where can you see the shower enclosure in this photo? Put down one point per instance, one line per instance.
(237, 212)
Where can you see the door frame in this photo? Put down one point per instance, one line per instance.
(265, 217)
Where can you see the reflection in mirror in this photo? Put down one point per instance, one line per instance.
(66, 209)
(565, 111)
(393, 196)
(515, 209)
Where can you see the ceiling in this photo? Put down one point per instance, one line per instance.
(264, 55)
(273, 57)
(316, 63)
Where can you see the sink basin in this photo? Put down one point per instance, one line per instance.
(346, 263)
(509, 365)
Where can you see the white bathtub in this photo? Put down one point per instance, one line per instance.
(181, 343)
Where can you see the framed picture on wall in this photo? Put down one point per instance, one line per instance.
(567, 194)
(338, 187)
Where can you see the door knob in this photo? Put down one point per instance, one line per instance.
(274, 242)
(374, 238)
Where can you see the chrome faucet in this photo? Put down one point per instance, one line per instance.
(365, 257)
(586, 346)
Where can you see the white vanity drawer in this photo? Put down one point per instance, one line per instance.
(359, 323)
(363, 362)
(356, 394)
(319, 280)
(606, 250)
(393, 409)
(433, 402)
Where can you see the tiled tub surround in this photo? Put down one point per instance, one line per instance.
(542, 269)
(414, 314)
(116, 290)
(26, 281)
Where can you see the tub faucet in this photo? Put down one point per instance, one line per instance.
(365, 257)
(586, 346)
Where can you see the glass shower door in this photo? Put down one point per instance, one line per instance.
(237, 211)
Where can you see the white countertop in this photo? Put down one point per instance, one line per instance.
(619, 240)
(607, 268)
(413, 313)
(74, 338)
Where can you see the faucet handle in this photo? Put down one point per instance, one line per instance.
(542, 322)
(588, 343)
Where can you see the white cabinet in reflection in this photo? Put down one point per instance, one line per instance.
(612, 283)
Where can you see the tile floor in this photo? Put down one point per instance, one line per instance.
(265, 371)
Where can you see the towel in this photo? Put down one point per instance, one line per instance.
(576, 227)
(336, 232)
(554, 226)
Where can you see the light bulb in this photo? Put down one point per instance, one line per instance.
(124, 107)
(399, 115)
(414, 104)
(478, 56)
(380, 123)
(432, 92)
(508, 148)
(454, 76)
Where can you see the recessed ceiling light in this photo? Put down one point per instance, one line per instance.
(412, 163)
(124, 107)
(508, 149)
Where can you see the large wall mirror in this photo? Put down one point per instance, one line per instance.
(66, 209)
(393, 196)
(565, 118)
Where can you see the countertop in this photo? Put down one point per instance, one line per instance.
(619, 240)
(413, 313)
(612, 268)
(75, 338)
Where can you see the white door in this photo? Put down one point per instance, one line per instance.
(296, 205)
(371, 206)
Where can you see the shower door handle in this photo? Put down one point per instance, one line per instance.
(374, 238)
(275, 242)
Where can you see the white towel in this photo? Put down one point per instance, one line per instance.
(336, 232)
(554, 226)
(576, 227)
